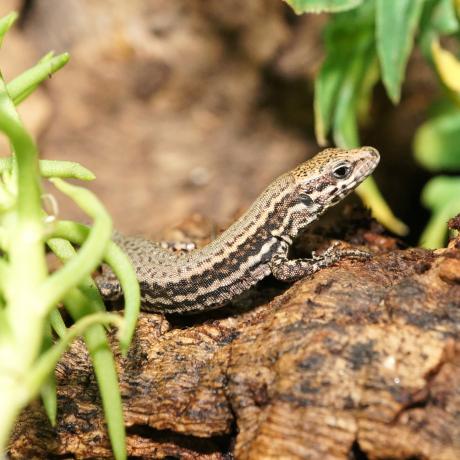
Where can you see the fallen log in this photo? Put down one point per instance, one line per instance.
(361, 361)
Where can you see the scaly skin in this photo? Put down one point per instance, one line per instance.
(255, 246)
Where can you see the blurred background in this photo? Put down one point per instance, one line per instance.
(194, 106)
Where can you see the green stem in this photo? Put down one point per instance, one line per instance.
(84, 301)
(26, 250)
(27, 270)
(48, 388)
(121, 266)
(57, 323)
(90, 254)
(435, 233)
(47, 362)
(23, 85)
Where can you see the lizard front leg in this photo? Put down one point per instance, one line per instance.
(108, 284)
(289, 270)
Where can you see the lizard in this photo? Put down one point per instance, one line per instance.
(254, 246)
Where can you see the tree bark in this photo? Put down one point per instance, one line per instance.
(360, 361)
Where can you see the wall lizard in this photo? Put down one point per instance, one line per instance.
(255, 246)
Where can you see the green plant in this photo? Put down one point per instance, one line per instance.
(368, 40)
(29, 294)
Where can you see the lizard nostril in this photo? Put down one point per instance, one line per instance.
(371, 151)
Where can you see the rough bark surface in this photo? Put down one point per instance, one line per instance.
(360, 362)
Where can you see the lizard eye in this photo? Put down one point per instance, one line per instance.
(341, 171)
(306, 199)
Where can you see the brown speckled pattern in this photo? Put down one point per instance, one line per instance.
(253, 247)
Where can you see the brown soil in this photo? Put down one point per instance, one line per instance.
(187, 106)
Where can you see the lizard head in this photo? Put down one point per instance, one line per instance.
(332, 174)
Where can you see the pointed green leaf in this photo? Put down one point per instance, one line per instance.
(48, 389)
(320, 6)
(440, 190)
(438, 18)
(327, 86)
(447, 66)
(396, 24)
(47, 361)
(351, 97)
(49, 398)
(457, 7)
(54, 288)
(343, 91)
(120, 264)
(23, 85)
(55, 168)
(57, 323)
(442, 196)
(5, 24)
(436, 142)
(344, 75)
(86, 300)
